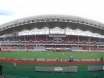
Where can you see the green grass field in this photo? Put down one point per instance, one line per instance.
(49, 55)
(28, 70)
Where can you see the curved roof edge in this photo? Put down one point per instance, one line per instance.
(51, 18)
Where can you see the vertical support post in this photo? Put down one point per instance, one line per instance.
(89, 39)
(24, 37)
(78, 38)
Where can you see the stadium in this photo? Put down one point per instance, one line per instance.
(69, 45)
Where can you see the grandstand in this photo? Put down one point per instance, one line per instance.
(52, 33)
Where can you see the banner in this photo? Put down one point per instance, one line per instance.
(95, 68)
(12, 59)
(56, 69)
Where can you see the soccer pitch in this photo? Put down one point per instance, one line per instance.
(28, 70)
(52, 55)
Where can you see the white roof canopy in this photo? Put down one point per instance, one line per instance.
(57, 30)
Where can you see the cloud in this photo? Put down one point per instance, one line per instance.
(6, 12)
(23, 8)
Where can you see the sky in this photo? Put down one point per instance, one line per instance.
(16, 9)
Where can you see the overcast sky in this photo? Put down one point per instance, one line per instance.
(15, 9)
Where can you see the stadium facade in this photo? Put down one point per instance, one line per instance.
(52, 33)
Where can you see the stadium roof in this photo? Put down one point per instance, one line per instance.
(52, 21)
